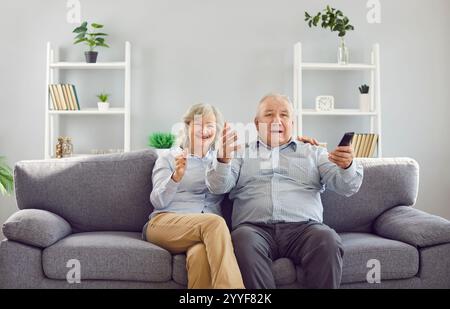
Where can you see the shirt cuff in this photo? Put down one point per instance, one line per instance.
(351, 163)
(354, 170)
(350, 171)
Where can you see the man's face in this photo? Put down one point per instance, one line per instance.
(274, 122)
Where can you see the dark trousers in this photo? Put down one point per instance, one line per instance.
(315, 247)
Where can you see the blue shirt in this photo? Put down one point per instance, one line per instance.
(190, 195)
(281, 184)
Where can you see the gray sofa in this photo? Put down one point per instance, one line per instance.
(92, 209)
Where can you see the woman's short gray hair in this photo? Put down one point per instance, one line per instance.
(199, 109)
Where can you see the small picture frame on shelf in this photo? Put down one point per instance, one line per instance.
(324, 103)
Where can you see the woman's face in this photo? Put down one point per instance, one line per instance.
(202, 131)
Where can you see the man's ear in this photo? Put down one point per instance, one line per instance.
(256, 122)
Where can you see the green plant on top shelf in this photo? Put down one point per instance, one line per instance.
(330, 18)
(92, 38)
(161, 140)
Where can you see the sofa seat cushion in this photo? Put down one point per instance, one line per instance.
(283, 270)
(108, 256)
(398, 260)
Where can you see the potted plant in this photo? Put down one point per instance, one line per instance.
(364, 98)
(161, 141)
(103, 105)
(6, 178)
(92, 38)
(335, 20)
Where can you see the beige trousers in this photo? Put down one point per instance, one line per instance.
(210, 260)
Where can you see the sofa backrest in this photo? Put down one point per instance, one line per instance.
(105, 192)
(387, 182)
(111, 192)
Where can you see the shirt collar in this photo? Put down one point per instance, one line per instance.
(292, 143)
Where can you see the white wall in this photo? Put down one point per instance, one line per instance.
(230, 53)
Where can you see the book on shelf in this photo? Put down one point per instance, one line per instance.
(53, 97)
(75, 96)
(63, 97)
(364, 144)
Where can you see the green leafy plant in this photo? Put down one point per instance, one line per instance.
(91, 37)
(364, 89)
(161, 140)
(330, 18)
(103, 97)
(6, 178)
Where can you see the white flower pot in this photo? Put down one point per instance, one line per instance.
(161, 151)
(364, 102)
(103, 106)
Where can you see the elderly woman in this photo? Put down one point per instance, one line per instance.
(187, 217)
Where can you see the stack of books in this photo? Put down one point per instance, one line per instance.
(64, 97)
(364, 145)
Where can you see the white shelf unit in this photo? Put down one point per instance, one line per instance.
(52, 117)
(374, 115)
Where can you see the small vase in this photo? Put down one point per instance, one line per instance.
(343, 52)
(67, 147)
(59, 148)
(103, 106)
(364, 102)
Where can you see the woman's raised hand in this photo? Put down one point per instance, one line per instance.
(180, 166)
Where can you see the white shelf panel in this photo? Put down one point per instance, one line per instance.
(337, 112)
(90, 111)
(84, 65)
(80, 155)
(77, 155)
(336, 66)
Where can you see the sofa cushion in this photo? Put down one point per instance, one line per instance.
(283, 270)
(36, 227)
(413, 226)
(108, 256)
(398, 260)
(98, 193)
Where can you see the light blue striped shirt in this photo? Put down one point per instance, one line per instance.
(190, 195)
(281, 184)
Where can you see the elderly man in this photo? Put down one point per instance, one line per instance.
(277, 210)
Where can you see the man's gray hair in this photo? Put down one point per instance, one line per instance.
(278, 97)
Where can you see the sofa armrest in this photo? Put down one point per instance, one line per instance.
(412, 226)
(39, 228)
